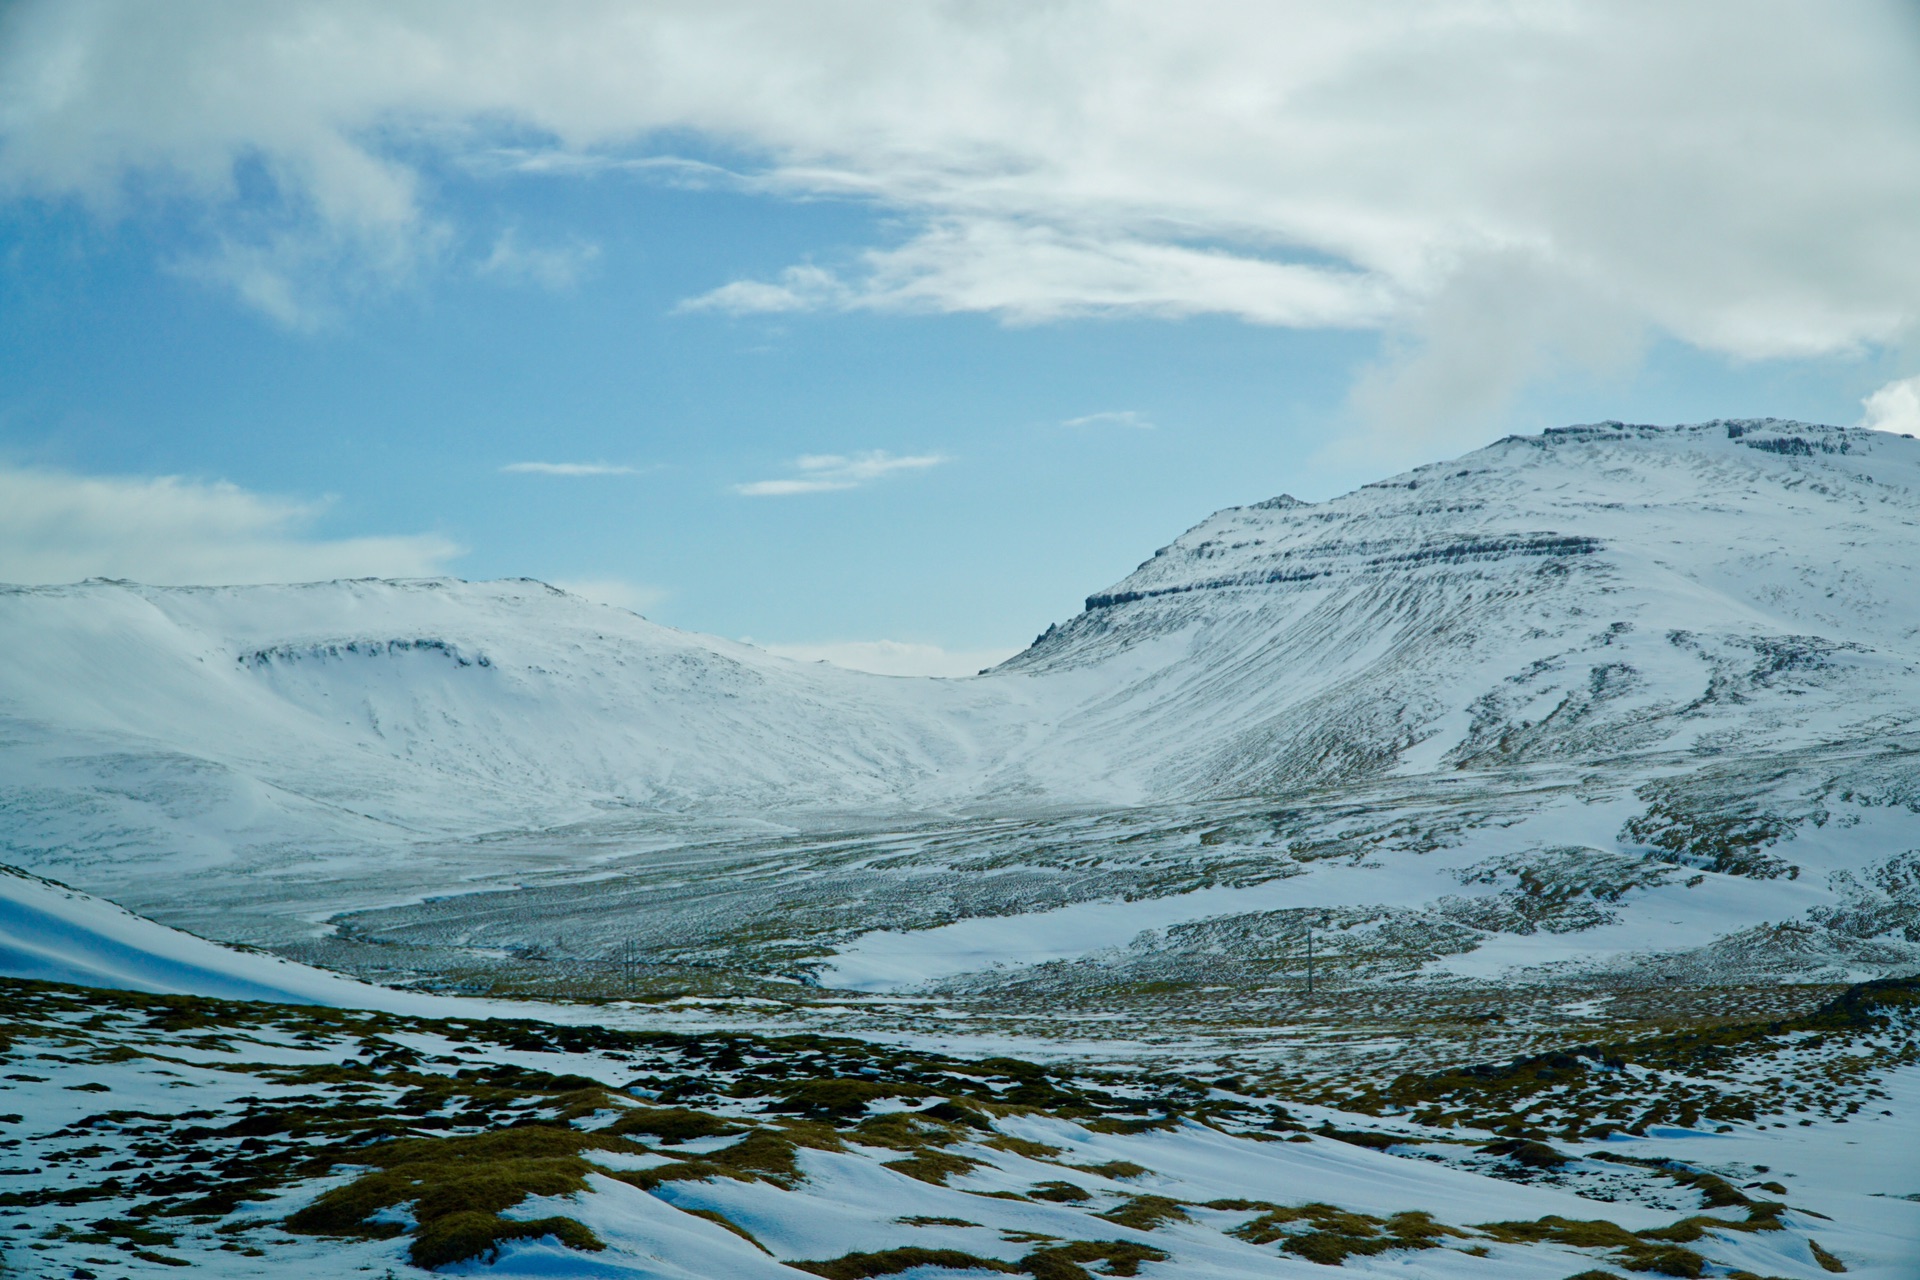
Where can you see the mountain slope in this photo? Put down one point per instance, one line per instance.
(183, 723)
(50, 933)
(1657, 647)
(1507, 833)
(1593, 591)
(1609, 589)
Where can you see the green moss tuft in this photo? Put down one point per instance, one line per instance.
(862, 1266)
(1671, 1261)
(906, 1131)
(933, 1166)
(673, 1124)
(1146, 1213)
(458, 1188)
(1060, 1192)
(1534, 1155)
(1063, 1262)
(1826, 1260)
(1114, 1169)
(839, 1099)
(469, 1234)
(1022, 1147)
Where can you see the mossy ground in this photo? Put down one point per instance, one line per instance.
(442, 1131)
(446, 1145)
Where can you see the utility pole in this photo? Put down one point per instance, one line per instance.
(1309, 957)
(1323, 924)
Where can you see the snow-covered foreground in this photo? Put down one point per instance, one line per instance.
(149, 1128)
(147, 1132)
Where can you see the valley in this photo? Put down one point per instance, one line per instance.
(1539, 830)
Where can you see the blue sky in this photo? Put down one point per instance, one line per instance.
(825, 379)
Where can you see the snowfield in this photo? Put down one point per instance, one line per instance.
(1693, 649)
(302, 1141)
(1511, 868)
(1653, 608)
(51, 933)
(1595, 591)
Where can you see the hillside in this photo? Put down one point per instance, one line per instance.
(1621, 698)
(1590, 592)
(1508, 868)
(1716, 588)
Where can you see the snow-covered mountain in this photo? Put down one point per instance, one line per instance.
(1595, 738)
(188, 722)
(1602, 589)
(1688, 644)
(1590, 592)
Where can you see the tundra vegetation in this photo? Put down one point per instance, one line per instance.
(172, 1129)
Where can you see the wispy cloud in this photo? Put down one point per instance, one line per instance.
(805, 288)
(1112, 418)
(571, 469)
(302, 278)
(555, 267)
(56, 526)
(669, 170)
(825, 472)
(1025, 272)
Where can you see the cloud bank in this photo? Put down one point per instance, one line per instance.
(1502, 187)
(59, 527)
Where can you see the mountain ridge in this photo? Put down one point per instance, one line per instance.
(1381, 591)
(1649, 643)
(1369, 592)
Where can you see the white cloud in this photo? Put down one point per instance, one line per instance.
(1738, 176)
(1498, 323)
(555, 267)
(571, 469)
(265, 276)
(825, 472)
(1112, 418)
(59, 527)
(1894, 407)
(1031, 275)
(895, 657)
(634, 597)
(677, 171)
(1034, 274)
(804, 288)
